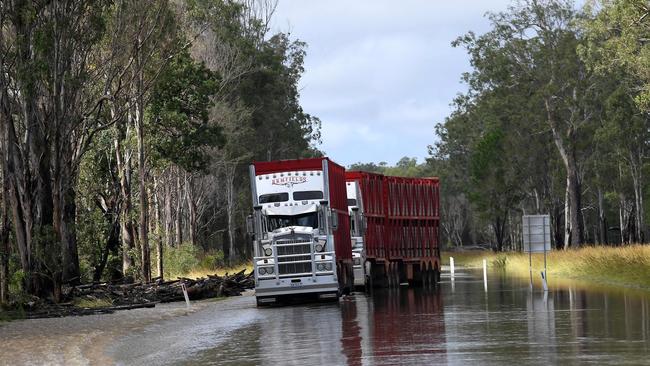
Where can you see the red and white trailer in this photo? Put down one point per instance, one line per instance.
(397, 222)
(301, 231)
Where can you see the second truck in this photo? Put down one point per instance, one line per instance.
(395, 224)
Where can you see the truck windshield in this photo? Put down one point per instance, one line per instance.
(278, 221)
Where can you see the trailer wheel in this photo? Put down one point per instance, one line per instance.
(435, 277)
(429, 276)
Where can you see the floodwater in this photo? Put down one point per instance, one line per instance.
(459, 324)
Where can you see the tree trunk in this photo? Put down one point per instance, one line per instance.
(71, 271)
(557, 226)
(113, 241)
(159, 240)
(602, 220)
(144, 235)
(567, 218)
(179, 209)
(123, 160)
(620, 219)
(169, 238)
(638, 200)
(573, 193)
(4, 230)
(230, 212)
(191, 205)
(499, 232)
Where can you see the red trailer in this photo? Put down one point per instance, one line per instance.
(400, 219)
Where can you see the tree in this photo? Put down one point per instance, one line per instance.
(534, 46)
(50, 112)
(617, 45)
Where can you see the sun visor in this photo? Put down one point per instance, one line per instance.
(291, 210)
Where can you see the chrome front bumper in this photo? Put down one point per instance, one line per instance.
(296, 285)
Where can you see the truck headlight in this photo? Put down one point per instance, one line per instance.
(265, 271)
(320, 266)
(319, 247)
(268, 252)
(328, 266)
(357, 261)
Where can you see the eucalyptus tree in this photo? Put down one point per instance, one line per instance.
(617, 34)
(533, 47)
(50, 108)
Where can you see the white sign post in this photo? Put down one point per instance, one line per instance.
(537, 239)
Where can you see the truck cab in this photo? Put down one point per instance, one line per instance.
(357, 228)
(296, 227)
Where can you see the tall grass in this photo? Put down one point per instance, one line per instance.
(624, 266)
(189, 261)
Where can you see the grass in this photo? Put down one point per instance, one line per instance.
(203, 272)
(627, 266)
(93, 303)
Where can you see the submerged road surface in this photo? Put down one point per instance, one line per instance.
(460, 324)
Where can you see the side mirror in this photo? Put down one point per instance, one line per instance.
(250, 228)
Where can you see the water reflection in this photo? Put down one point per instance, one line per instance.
(568, 325)
(455, 326)
(389, 327)
(511, 322)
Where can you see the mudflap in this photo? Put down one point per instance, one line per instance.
(345, 274)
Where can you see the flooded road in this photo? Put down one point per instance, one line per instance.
(458, 324)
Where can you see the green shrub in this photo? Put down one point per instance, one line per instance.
(16, 282)
(212, 260)
(180, 260)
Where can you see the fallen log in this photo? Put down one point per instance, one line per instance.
(125, 296)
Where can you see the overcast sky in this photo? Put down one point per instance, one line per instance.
(381, 74)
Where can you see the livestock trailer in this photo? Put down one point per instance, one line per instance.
(395, 221)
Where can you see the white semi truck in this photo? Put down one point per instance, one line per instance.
(300, 228)
(357, 227)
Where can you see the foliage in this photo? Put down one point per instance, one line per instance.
(541, 101)
(212, 260)
(179, 110)
(137, 129)
(180, 260)
(405, 167)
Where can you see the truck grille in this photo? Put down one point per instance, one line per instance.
(291, 268)
(306, 257)
(294, 249)
(297, 244)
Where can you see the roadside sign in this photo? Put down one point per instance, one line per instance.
(537, 239)
(536, 233)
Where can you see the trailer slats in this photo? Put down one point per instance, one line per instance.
(402, 216)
